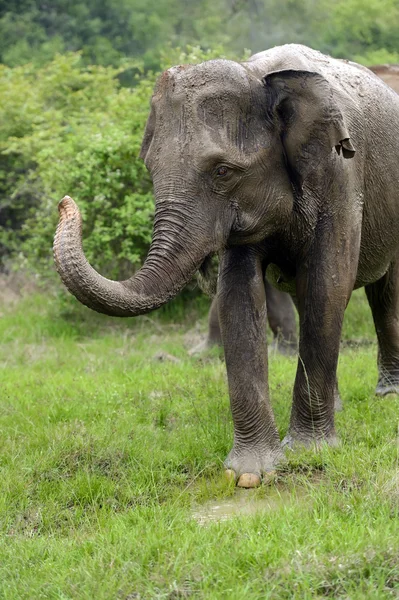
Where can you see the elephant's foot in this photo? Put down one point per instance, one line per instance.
(384, 388)
(249, 467)
(388, 382)
(295, 439)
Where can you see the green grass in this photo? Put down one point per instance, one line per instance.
(107, 453)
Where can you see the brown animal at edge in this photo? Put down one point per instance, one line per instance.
(389, 74)
(286, 161)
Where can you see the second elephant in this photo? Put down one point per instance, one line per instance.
(389, 74)
(280, 316)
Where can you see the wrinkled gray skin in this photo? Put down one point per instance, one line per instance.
(280, 310)
(281, 319)
(280, 316)
(289, 159)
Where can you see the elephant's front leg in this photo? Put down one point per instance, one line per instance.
(323, 291)
(242, 312)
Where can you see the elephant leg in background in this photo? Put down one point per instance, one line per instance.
(322, 296)
(242, 313)
(280, 315)
(383, 297)
(214, 337)
(281, 318)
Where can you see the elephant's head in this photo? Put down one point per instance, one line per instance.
(225, 151)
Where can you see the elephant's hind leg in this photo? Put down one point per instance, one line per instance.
(281, 317)
(214, 334)
(383, 297)
(214, 337)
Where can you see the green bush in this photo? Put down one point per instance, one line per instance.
(71, 129)
(107, 31)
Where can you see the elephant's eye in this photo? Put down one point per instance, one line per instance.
(222, 171)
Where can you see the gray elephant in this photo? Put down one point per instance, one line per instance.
(280, 310)
(286, 162)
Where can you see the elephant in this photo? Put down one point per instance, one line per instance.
(286, 162)
(280, 313)
(280, 316)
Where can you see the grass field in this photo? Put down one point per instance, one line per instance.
(111, 463)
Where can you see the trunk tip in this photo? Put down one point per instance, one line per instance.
(67, 207)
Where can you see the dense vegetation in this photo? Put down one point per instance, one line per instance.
(68, 127)
(109, 30)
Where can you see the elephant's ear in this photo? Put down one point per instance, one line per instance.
(310, 120)
(148, 134)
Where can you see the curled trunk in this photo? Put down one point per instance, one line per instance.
(175, 255)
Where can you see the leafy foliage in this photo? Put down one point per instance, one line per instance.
(107, 31)
(68, 128)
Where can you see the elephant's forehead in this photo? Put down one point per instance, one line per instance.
(189, 83)
(205, 105)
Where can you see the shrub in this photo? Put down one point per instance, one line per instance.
(72, 129)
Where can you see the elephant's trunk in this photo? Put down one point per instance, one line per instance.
(175, 255)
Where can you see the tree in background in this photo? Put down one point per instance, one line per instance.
(71, 128)
(108, 31)
(68, 127)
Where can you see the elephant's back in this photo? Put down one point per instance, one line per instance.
(370, 108)
(359, 82)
